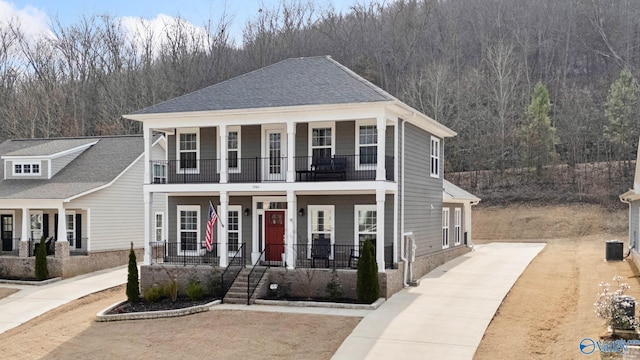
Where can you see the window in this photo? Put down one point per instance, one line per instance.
(35, 219)
(159, 173)
(445, 228)
(457, 226)
(367, 145)
(233, 149)
(322, 140)
(188, 150)
(435, 157)
(188, 229)
(321, 226)
(234, 226)
(366, 225)
(26, 169)
(159, 227)
(70, 216)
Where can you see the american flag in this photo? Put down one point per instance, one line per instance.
(213, 217)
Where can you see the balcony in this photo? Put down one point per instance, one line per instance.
(259, 170)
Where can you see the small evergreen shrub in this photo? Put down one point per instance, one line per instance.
(215, 285)
(334, 287)
(42, 270)
(367, 288)
(153, 293)
(133, 286)
(195, 291)
(170, 289)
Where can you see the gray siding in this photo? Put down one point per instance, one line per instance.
(59, 163)
(208, 141)
(344, 215)
(345, 138)
(44, 171)
(302, 139)
(203, 202)
(423, 194)
(251, 141)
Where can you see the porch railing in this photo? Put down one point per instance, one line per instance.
(258, 170)
(235, 266)
(15, 248)
(332, 256)
(177, 253)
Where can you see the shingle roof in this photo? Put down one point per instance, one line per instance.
(297, 81)
(51, 147)
(96, 166)
(451, 191)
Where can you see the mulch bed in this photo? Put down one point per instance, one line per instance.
(160, 305)
(341, 301)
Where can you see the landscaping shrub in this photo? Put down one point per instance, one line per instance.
(215, 285)
(612, 306)
(153, 293)
(334, 287)
(170, 289)
(367, 288)
(195, 291)
(42, 270)
(133, 286)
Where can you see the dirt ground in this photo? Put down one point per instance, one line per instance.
(4, 292)
(550, 308)
(546, 314)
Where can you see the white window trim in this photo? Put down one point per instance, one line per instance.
(446, 214)
(357, 142)
(179, 209)
(435, 172)
(179, 132)
(326, 208)
(161, 227)
(162, 179)
(71, 213)
(22, 163)
(239, 150)
(322, 125)
(230, 208)
(457, 226)
(356, 229)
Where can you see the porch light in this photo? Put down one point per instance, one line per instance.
(247, 212)
(301, 212)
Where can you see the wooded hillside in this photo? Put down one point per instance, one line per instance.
(470, 64)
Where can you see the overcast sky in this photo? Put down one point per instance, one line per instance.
(36, 15)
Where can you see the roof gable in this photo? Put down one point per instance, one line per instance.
(292, 82)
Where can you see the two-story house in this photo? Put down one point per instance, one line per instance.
(83, 195)
(303, 160)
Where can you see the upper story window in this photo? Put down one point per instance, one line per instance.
(366, 144)
(159, 173)
(233, 149)
(435, 157)
(26, 168)
(188, 150)
(322, 140)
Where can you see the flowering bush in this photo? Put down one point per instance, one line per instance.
(613, 306)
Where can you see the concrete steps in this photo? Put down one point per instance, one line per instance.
(237, 293)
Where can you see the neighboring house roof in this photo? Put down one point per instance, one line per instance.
(96, 166)
(298, 81)
(451, 192)
(51, 147)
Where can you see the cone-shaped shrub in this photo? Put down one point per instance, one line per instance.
(367, 288)
(42, 271)
(133, 287)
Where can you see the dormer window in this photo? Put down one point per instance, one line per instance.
(26, 168)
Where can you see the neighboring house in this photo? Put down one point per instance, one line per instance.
(632, 197)
(84, 195)
(303, 161)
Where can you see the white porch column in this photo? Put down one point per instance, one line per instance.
(222, 239)
(88, 228)
(224, 173)
(148, 139)
(380, 195)
(62, 225)
(290, 229)
(23, 248)
(381, 126)
(148, 226)
(291, 148)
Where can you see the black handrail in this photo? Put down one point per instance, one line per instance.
(249, 290)
(225, 289)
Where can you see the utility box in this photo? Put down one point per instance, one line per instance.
(614, 251)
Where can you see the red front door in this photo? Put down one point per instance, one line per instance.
(274, 235)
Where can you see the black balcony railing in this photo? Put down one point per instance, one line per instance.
(331, 256)
(184, 253)
(250, 170)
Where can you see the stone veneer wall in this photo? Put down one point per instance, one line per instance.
(424, 264)
(66, 267)
(161, 274)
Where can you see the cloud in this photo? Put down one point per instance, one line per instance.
(32, 21)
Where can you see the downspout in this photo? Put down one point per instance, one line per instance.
(403, 256)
